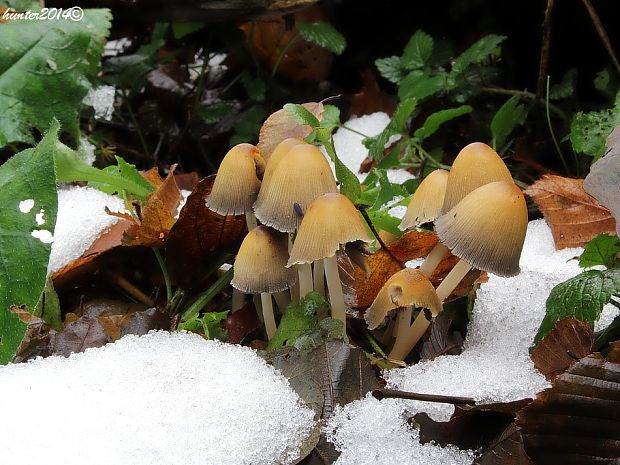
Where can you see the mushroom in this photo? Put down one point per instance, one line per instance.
(330, 221)
(476, 164)
(260, 267)
(237, 183)
(278, 153)
(405, 290)
(427, 200)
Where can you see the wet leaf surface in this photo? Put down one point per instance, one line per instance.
(507, 450)
(241, 323)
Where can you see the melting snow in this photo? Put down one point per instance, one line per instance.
(157, 399)
(26, 205)
(102, 101)
(43, 235)
(40, 217)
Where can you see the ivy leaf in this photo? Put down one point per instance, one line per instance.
(322, 34)
(477, 53)
(418, 50)
(46, 70)
(588, 131)
(435, 120)
(390, 68)
(582, 297)
(601, 250)
(506, 119)
(566, 87)
(26, 177)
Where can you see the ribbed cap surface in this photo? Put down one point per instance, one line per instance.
(427, 200)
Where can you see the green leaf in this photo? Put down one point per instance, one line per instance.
(566, 87)
(208, 324)
(420, 86)
(248, 125)
(349, 183)
(48, 307)
(255, 87)
(322, 34)
(302, 115)
(434, 121)
(582, 297)
(180, 30)
(589, 131)
(214, 112)
(331, 117)
(46, 70)
(603, 83)
(391, 69)
(418, 50)
(477, 53)
(28, 176)
(398, 123)
(510, 115)
(299, 319)
(601, 250)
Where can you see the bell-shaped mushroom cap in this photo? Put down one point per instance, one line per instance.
(487, 228)
(427, 200)
(299, 178)
(236, 183)
(260, 265)
(331, 220)
(476, 165)
(406, 288)
(278, 153)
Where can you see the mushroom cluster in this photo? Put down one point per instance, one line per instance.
(304, 223)
(480, 216)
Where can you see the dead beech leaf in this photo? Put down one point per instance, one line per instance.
(569, 341)
(438, 340)
(82, 334)
(241, 323)
(508, 449)
(370, 98)
(281, 125)
(200, 234)
(573, 215)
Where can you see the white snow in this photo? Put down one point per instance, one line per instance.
(43, 235)
(86, 151)
(157, 399)
(81, 220)
(102, 100)
(40, 217)
(26, 205)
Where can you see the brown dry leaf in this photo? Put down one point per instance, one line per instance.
(573, 215)
(569, 341)
(577, 420)
(241, 323)
(281, 125)
(370, 98)
(508, 449)
(200, 234)
(82, 334)
(414, 244)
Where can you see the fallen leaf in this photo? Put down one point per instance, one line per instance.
(281, 125)
(508, 449)
(199, 235)
(241, 323)
(370, 98)
(569, 341)
(603, 181)
(85, 333)
(572, 214)
(440, 340)
(577, 420)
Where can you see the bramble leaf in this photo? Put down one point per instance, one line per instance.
(601, 250)
(510, 115)
(322, 34)
(418, 50)
(435, 120)
(391, 69)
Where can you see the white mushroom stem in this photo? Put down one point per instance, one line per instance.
(238, 300)
(305, 279)
(270, 321)
(453, 279)
(407, 339)
(403, 322)
(433, 259)
(283, 298)
(388, 334)
(295, 287)
(336, 296)
(319, 277)
(250, 220)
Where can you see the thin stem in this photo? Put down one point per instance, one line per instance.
(164, 272)
(428, 157)
(336, 296)
(305, 279)
(394, 394)
(133, 290)
(318, 273)
(453, 279)
(555, 142)
(282, 53)
(406, 340)
(525, 94)
(602, 33)
(270, 321)
(544, 50)
(295, 287)
(433, 259)
(373, 343)
(379, 240)
(354, 131)
(206, 297)
(136, 125)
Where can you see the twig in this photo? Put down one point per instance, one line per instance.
(394, 394)
(544, 51)
(602, 33)
(379, 240)
(555, 141)
(136, 125)
(133, 290)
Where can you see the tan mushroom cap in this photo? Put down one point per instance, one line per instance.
(476, 165)
(236, 184)
(331, 220)
(260, 265)
(487, 228)
(276, 156)
(301, 176)
(406, 288)
(427, 200)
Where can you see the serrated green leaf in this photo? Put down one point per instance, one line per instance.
(566, 87)
(27, 176)
(208, 324)
(601, 250)
(322, 34)
(582, 297)
(477, 53)
(418, 50)
(420, 86)
(301, 115)
(602, 83)
(510, 115)
(46, 70)
(589, 131)
(376, 144)
(390, 68)
(214, 112)
(331, 116)
(255, 87)
(435, 120)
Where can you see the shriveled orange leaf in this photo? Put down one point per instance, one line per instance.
(200, 234)
(281, 125)
(573, 215)
(414, 244)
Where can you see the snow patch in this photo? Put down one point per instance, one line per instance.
(26, 205)
(40, 217)
(164, 398)
(43, 235)
(102, 100)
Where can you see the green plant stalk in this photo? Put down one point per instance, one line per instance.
(136, 126)
(203, 299)
(555, 142)
(164, 272)
(428, 156)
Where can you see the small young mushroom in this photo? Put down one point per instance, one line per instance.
(405, 290)
(476, 164)
(330, 221)
(237, 183)
(427, 200)
(260, 267)
(278, 153)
